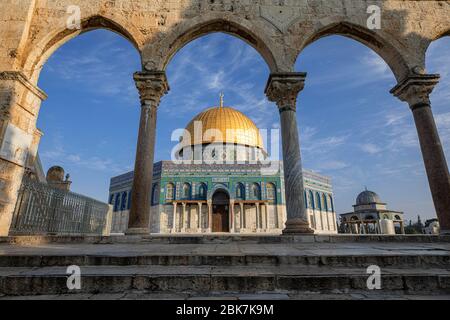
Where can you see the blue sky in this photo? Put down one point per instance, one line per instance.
(351, 128)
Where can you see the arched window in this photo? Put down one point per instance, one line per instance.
(129, 200)
(318, 202)
(256, 191)
(324, 202)
(187, 191)
(155, 194)
(311, 199)
(123, 202)
(271, 193)
(202, 191)
(170, 191)
(398, 218)
(306, 200)
(240, 191)
(117, 202)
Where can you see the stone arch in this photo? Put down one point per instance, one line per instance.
(37, 56)
(158, 53)
(218, 187)
(436, 37)
(373, 40)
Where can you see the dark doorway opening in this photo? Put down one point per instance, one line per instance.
(221, 212)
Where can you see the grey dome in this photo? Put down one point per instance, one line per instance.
(367, 197)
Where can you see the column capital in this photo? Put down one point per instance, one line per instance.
(152, 86)
(283, 89)
(416, 89)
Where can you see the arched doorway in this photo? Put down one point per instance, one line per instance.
(221, 212)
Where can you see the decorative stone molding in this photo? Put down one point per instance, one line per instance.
(23, 80)
(283, 89)
(416, 89)
(152, 86)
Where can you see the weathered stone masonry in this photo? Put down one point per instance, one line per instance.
(31, 30)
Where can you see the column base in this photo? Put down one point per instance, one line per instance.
(297, 226)
(137, 231)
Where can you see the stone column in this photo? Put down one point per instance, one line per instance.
(231, 216)
(174, 217)
(152, 86)
(416, 90)
(258, 218)
(200, 225)
(210, 216)
(184, 218)
(20, 102)
(266, 216)
(283, 89)
(241, 205)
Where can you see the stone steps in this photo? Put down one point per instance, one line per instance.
(206, 279)
(222, 239)
(360, 261)
(211, 269)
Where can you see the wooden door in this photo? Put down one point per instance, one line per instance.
(220, 221)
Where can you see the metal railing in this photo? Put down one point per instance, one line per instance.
(44, 210)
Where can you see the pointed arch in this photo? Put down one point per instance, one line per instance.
(170, 191)
(373, 40)
(187, 191)
(202, 191)
(240, 191)
(158, 53)
(255, 191)
(41, 51)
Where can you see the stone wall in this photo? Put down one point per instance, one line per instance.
(32, 29)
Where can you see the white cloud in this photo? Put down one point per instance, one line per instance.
(332, 165)
(370, 148)
(376, 65)
(86, 162)
(323, 145)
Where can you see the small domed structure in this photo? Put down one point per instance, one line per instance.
(371, 216)
(55, 174)
(57, 178)
(367, 197)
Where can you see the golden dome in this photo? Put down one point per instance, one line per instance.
(232, 125)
